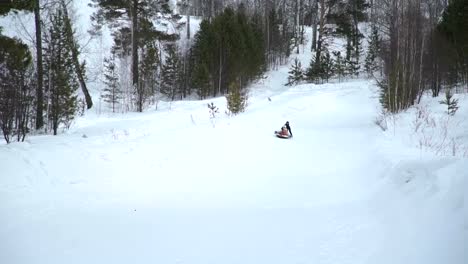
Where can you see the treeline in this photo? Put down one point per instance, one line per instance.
(425, 48)
(41, 95)
(228, 52)
(333, 19)
(234, 45)
(40, 87)
(413, 46)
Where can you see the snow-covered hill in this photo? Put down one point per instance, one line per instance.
(174, 186)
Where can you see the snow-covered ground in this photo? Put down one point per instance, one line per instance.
(174, 186)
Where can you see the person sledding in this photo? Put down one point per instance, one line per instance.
(285, 131)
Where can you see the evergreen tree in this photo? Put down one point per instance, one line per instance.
(373, 50)
(140, 14)
(169, 73)
(352, 61)
(231, 47)
(236, 99)
(112, 92)
(452, 104)
(454, 27)
(347, 15)
(32, 5)
(61, 79)
(323, 70)
(339, 65)
(148, 73)
(295, 73)
(15, 88)
(274, 40)
(204, 60)
(313, 72)
(326, 66)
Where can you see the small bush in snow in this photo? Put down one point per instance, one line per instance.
(452, 104)
(213, 110)
(381, 121)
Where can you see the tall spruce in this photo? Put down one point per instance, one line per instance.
(339, 65)
(169, 73)
(60, 80)
(295, 73)
(149, 73)
(112, 92)
(373, 50)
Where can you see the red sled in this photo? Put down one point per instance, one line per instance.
(281, 135)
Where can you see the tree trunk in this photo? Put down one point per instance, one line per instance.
(135, 44)
(188, 19)
(76, 62)
(211, 10)
(40, 69)
(220, 69)
(321, 32)
(267, 29)
(314, 25)
(297, 26)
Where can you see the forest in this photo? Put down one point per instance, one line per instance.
(414, 47)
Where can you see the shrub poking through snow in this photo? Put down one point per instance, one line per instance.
(381, 120)
(213, 110)
(452, 104)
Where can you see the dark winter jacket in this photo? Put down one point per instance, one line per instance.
(288, 127)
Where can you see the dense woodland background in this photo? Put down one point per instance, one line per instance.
(414, 46)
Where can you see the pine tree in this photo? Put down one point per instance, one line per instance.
(204, 60)
(313, 72)
(148, 73)
(295, 73)
(236, 99)
(339, 65)
(15, 88)
(374, 48)
(61, 79)
(452, 104)
(326, 65)
(352, 67)
(169, 73)
(112, 93)
(140, 15)
(231, 47)
(454, 27)
(201, 80)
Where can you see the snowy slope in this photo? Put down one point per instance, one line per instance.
(173, 186)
